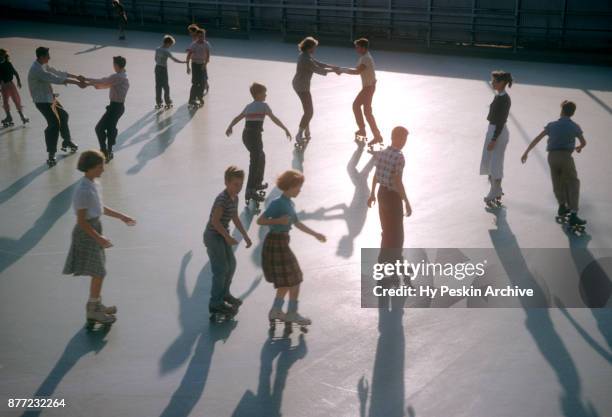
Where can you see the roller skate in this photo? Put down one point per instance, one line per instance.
(159, 106)
(301, 143)
(24, 120)
(69, 146)
(168, 106)
(261, 187)
(8, 121)
(576, 225)
(51, 161)
(563, 214)
(108, 309)
(96, 314)
(108, 154)
(294, 318)
(233, 301)
(257, 196)
(375, 145)
(277, 316)
(221, 313)
(360, 137)
(494, 202)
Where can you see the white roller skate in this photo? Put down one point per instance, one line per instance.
(96, 314)
(294, 317)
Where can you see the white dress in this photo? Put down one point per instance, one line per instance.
(492, 162)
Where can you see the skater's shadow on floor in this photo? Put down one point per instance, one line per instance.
(595, 288)
(84, 342)
(269, 397)
(355, 214)
(160, 136)
(13, 189)
(538, 322)
(94, 48)
(11, 250)
(198, 339)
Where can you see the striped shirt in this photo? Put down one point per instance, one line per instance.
(230, 209)
(256, 111)
(389, 162)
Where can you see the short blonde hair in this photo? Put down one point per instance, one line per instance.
(90, 159)
(307, 43)
(169, 40)
(257, 89)
(289, 179)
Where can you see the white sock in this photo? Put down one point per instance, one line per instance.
(94, 300)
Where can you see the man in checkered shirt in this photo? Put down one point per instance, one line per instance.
(389, 166)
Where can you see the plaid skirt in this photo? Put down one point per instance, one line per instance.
(86, 256)
(280, 266)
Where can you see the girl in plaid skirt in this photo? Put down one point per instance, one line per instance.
(280, 265)
(86, 255)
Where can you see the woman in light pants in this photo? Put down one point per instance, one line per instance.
(496, 140)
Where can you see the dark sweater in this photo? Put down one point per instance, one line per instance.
(498, 113)
(7, 71)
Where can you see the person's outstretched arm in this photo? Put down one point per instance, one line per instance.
(301, 226)
(118, 215)
(240, 227)
(354, 71)
(280, 124)
(238, 118)
(532, 145)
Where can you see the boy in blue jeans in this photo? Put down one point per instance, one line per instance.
(219, 243)
(562, 136)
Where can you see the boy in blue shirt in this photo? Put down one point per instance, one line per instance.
(562, 136)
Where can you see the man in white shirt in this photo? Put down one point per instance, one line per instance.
(365, 68)
(40, 78)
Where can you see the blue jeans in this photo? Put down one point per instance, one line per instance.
(223, 265)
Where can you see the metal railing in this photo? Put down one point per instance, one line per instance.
(509, 24)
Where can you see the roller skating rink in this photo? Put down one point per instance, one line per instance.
(163, 357)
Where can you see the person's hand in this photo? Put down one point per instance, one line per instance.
(288, 134)
(248, 242)
(321, 238)
(524, 158)
(81, 78)
(231, 241)
(579, 148)
(371, 201)
(104, 242)
(82, 84)
(188, 70)
(228, 132)
(408, 211)
(19, 84)
(491, 145)
(128, 221)
(284, 220)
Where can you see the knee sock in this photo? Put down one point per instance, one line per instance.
(278, 303)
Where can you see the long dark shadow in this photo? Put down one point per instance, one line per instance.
(197, 334)
(598, 101)
(92, 49)
(163, 134)
(538, 322)
(11, 250)
(13, 189)
(81, 344)
(595, 288)
(269, 397)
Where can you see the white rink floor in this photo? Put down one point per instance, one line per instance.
(163, 358)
